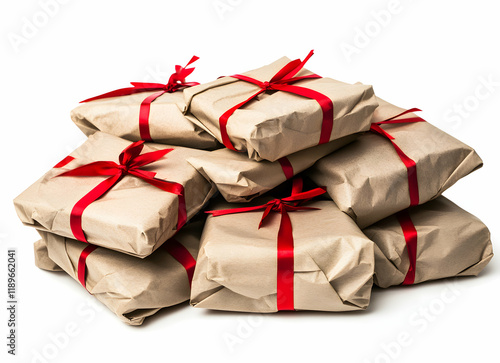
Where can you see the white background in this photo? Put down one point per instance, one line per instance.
(428, 54)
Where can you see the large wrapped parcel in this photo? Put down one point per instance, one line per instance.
(449, 242)
(238, 263)
(240, 179)
(279, 109)
(368, 180)
(132, 288)
(145, 198)
(147, 111)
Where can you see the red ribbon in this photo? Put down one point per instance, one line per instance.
(175, 248)
(287, 167)
(282, 81)
(130, 164)
(68, 159)
(411, 167)
(410, 235)
(285, 271)
(82, 264)
(176, 82)
(182, 255)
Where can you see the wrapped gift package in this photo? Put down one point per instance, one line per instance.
(325, 190)
(449, 242)
(236, 267)
(132, 288)
(368, 180)
(240, 179)
(146, 111)
(147, 204)
(279, 109)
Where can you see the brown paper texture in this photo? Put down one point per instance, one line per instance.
(42, 259)
(279, 123)
(451, 242)
(120, 116)
(368, 180)
(240, 179)
(237, 263)
(134, 217)
(132, 288)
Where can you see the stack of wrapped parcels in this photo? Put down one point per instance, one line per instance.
(134, 215)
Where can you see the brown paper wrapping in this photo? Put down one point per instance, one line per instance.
(42, 259)
(134, 217)
(280, 123)
(368, 180)
(237, 263)
(240, 179)
(132, 288)
(451, 242)
(120, 116)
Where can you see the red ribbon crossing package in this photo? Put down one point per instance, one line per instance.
(240, 179)
(129, 197)
(283, 206)
(279, 109)
(146, 111)
(371, 178)
(299, 254)
(124, 283)
(429, 242)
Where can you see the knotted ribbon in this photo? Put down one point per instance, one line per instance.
(285, 299)
(407, 226)
(130, 164)
(176, 82)
(283, 81)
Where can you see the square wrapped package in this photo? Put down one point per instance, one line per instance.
(146, 111)
(240, 179)
(145, 198)
(448, 242)
(368, 178)
(132, 288)
(279, 109)
(238, 268)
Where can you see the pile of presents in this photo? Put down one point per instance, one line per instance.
(274, 189)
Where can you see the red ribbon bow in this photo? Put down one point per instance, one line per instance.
(411, 167)
(130, 164)
(176, 82)
(285, 299)
(282, 81)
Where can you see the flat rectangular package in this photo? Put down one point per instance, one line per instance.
(132, 288)
(120, 116)
(133, 217)
(240, 179)
(450, 242)
(237, 264)
(278, 123)
(368, 180)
